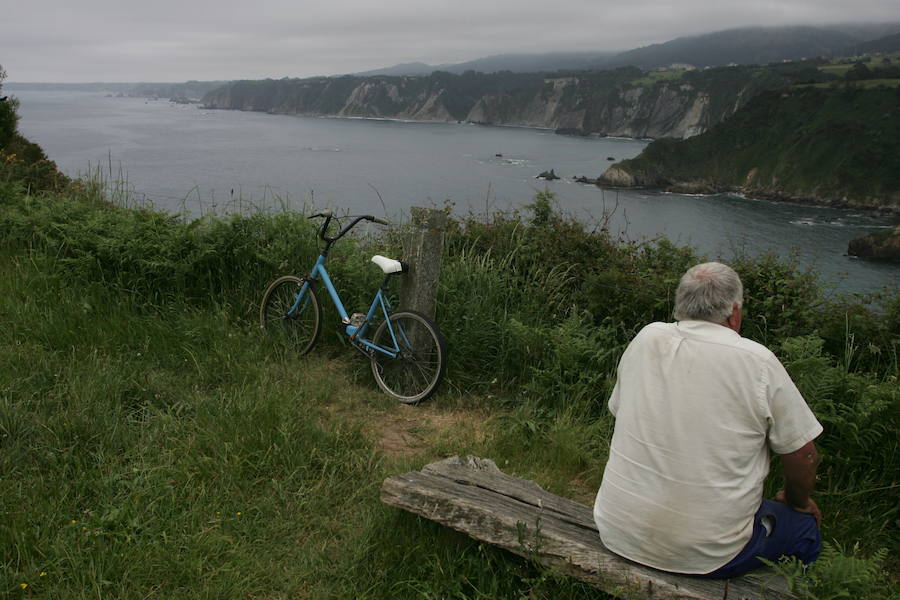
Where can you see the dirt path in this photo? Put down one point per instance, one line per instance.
(402, 431)
(414, 430)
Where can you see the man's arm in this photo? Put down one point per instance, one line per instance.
(799, 480)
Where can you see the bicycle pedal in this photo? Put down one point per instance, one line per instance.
(357, 319)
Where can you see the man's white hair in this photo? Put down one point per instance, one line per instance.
(708, 292)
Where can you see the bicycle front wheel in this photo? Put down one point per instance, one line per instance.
(298, 328)
(421, 358)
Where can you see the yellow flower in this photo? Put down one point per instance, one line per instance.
(23, 585)
(43, 573)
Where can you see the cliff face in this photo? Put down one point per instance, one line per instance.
(663, 111)
(392, 98)
(606, 103)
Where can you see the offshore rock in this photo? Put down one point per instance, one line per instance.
(882, 245)
(616, 176)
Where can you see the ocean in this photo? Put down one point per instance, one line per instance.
(190, 160)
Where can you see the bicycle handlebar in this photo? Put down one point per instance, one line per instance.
(328, 215)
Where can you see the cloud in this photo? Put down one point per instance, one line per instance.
(169, 40)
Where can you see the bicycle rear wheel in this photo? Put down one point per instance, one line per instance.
(298, 329)
(421, 358)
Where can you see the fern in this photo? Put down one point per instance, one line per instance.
(838, 574)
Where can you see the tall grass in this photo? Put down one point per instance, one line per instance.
(153, 443)
(166, 451)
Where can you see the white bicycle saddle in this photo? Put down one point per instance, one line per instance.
(388, 265)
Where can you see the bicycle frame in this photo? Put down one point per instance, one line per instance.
(355, 333)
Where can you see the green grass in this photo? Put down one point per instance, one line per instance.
(156, 449)
(864, 84)
(165, 451)
(154, 443)
(653, 77)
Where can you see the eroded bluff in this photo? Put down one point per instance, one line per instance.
(567, 104)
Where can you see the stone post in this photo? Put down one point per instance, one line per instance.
(423, 247)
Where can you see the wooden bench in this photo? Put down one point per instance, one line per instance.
(473, 496)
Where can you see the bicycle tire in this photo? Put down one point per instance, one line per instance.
(299, 331)
(419, 367)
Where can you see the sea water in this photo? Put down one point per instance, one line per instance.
(187, 159)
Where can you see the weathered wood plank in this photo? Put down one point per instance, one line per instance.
(473, 496)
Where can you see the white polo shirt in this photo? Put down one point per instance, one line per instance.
(697, 408)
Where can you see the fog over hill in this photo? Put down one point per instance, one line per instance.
(746, 45)
(889, 43)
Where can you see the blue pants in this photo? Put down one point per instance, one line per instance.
(791, 533)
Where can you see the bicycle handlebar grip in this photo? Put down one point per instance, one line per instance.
(325, 213)
(380, 221)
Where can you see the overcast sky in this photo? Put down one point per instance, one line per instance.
(179, 40)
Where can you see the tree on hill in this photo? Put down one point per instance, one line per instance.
(859, 72)
(8, 116)
(23, 161)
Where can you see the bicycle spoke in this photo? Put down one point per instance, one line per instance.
(419, 365)
(298, 328)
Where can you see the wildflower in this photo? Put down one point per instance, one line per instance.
(239, 513)
(43, 573)
(23, 585)
(72, 522)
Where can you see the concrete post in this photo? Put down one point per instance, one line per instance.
(423, 248)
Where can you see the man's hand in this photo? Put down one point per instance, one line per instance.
(811, 507)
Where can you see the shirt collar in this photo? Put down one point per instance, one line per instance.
(706, 329)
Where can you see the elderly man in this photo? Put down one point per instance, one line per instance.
(697, 409)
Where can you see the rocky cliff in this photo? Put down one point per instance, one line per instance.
(830, 146)
(625, 102)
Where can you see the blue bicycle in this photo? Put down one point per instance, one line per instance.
(406, 350)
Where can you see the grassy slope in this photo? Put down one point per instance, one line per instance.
(142, 416)
(163, 451)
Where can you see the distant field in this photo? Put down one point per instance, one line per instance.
(865, 84)
(872, 62)
(836, 69)
(655, 76)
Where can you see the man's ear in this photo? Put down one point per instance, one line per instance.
(733, 321)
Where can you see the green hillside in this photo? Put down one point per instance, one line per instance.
(836, 146)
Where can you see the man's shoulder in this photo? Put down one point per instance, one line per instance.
(709, 333)
(653, 331)
(755, 348)
(658, 328)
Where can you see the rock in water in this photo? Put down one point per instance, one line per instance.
(881, 245)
